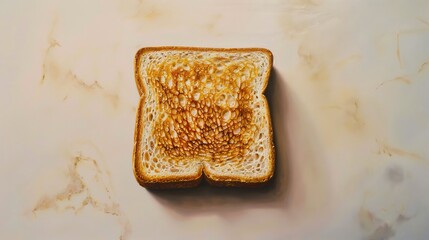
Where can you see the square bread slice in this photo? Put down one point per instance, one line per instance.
(202, 114)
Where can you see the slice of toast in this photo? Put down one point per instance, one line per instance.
(202, 113)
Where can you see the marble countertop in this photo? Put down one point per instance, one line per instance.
(348, 96)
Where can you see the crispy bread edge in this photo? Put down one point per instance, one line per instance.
(142, 179)
(192, 181)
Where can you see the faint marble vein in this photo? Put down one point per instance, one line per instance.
(53, 43)
(113, 98)
(398, 37)
(423, 21)
(62, 75)
(403, 79)
(78, 188)
(81, 83)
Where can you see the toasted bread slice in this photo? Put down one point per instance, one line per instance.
(202, 112)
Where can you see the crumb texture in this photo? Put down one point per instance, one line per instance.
(205, 108)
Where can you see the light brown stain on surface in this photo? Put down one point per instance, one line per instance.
(322, 65)
(62, 79)
(353, 119)
(300, 16)
(386, 149)
(301, 21)
(320, 74)
(114, 99)
(423, 66)
(78, 194)
(152, 13)
(348, 60)
(376, 228)
(307, 56)
(146, 12)
(402, 79)
(383, 232)
(52, 44)
(211, 25)
(308, 2)
(398, 50)
(313, 64)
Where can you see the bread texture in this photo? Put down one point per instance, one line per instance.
(202, 114)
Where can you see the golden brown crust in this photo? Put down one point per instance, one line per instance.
(194, 180)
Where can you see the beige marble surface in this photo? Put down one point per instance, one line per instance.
(349, 100)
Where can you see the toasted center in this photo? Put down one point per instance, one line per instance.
(204, 106)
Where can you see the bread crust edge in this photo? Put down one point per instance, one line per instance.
(194, 180)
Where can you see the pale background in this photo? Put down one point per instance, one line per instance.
(349, 100)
